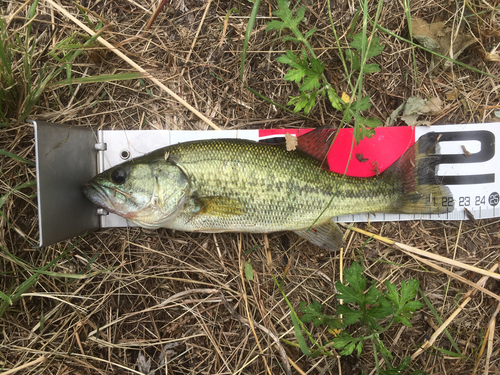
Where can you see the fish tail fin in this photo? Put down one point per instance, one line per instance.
(416, 169)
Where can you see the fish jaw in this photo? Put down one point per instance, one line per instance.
(100, 196)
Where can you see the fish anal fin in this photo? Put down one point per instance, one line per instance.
(219, 206)
(327, 235)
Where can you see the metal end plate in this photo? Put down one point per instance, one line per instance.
(65, 160)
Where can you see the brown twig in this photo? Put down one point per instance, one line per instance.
(134, 65)
(284, 358)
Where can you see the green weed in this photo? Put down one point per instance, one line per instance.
(22, 85)
(307, 70)
(365, 306)
(16, 293)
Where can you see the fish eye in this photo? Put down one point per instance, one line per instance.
(119, 176)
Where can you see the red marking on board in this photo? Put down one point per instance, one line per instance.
(383, 149)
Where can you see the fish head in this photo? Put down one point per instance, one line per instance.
(149, 194)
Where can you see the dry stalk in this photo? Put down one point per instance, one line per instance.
(450, 319)
(152, 308)
(414, 250)
(491, 336)
(25, 366)
(134, 65)
(284, 358)
(196, 36)
(250, 321)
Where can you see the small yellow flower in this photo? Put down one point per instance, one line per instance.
(345, 98)
(334, 332)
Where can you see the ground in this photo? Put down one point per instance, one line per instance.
(102, 303)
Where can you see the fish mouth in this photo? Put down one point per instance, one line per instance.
(96, 194)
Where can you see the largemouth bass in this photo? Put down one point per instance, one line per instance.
(233, 185)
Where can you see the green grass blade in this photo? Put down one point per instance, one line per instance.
(5, 120)
(414, 58)
(298, 334)
(266, 99)
(70, 82)
(6, 298)
(248, 33)
(99, 78)
(5, 58)
(32, 280)
(15, 157)
(339, 47)
(438, 318)
(145, 88)
(30, 15)
(18, 187)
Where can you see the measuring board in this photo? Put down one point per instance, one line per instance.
(68, 156)
(468, 165)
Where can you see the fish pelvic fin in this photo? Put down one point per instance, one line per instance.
(327, 235)
(422, 190)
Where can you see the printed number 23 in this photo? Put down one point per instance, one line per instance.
(464, 201)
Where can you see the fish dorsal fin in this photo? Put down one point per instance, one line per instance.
(316, 143)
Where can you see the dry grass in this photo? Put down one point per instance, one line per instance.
(118, 312)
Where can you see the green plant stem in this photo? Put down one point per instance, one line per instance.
(292, 311)
(339, 47)
(304, 41)
(375, 350)
(248, 33)
(365, 47)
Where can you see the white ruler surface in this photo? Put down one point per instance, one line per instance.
(469, 165)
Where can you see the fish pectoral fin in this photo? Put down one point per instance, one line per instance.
(327, 236)
(219, 206)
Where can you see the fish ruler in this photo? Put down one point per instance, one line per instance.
(67, 157)
(469, 163)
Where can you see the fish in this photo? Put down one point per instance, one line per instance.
(236, 185)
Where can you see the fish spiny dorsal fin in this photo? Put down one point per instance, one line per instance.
(316, 143)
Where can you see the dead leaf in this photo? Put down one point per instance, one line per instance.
(451, 95)
(360, 158)
(438, 37)
(432, 106)
(492, 56)
(415, 107)
(291, 142)
(143, 366)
